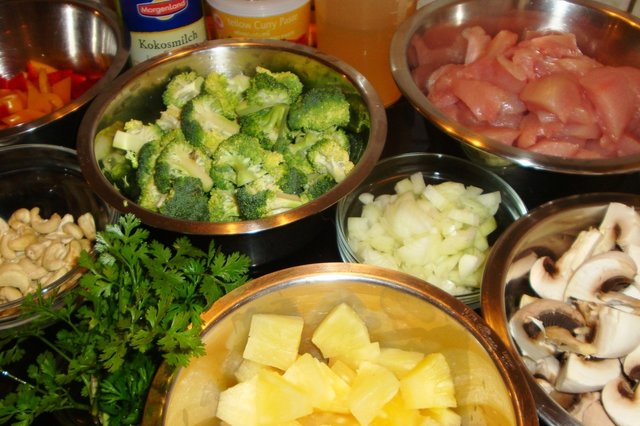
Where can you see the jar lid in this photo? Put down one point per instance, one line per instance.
(256, 8)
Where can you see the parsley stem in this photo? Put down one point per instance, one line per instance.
(53, 347)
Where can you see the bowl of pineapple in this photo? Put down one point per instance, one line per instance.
(348, 344)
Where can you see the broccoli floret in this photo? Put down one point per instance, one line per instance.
(293, 181)
(328, 157)
(223, 206)
(169, 118)
(244, 154)
(204, 124)
(223, 176)
(262, 203)
(319, 109)
(103, 142)
(135, 134)
(318, 185)
(227, 90)
(186, 200)
(264, 92)
(269, 125)
(182, 88)
(359, 118)
(286, 78)
(118, 170)
(150, 197)
(179, 159)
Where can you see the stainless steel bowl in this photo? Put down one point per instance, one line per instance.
(436, 169)
(48, 177)
(400, 311)
(604, 33)
(552, 226)
(137, 93)
(80, 34)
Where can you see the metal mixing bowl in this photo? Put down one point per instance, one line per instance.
(399, 310)
(604, 33)
(552, 226)
(137, 93)
(48, 177)
(80, 34)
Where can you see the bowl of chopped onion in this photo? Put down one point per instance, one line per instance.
(342, 344)
(549, 85)
(434, 216)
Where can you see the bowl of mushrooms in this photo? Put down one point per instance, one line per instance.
(560, 287)
(48, 215)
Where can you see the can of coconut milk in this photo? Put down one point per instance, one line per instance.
(158, 26)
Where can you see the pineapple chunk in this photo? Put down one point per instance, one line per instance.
(372, 388)
(274, 340)
(394, 413)
(343, 371)
(341, 331)
(429, 384)
(328, 419)
(326, 390)
(399, 361)
(355, 357)
(237, 404)
(443, 417)
(247, 369)
(279, 401)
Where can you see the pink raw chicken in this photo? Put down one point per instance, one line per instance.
(541, 93)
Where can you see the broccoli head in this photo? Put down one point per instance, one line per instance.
(169, 118)
(223, 206)
(328, 157)
(244, 154)
(288, 79)
(319, 109)
(264, 91)
(204, 124)
(133, 136)
(118, 170)
(269, 125)
(181, 159)
(182, 88)
(228, 91)
(150, 197)
(359, 118)
(254, 204)
(293, 181)
(186, 200)
(317, 186)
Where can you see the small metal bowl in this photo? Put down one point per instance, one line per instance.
(48, 177)
(602, 32)
(400, 311)
(138, 91)
(436, 168)
(82, 35)
(552, 226)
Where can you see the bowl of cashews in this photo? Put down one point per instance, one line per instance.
(48, 216)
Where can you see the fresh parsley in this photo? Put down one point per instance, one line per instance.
(138, 304)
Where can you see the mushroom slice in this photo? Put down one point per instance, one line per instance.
(631, 365)
(600, 279)
(521, 265)
(549, 279)
(621, 402)
(579, 374)
(544, 326)
(547, 368)
(594, 415)
(621, 223)
(617, 333)
(581, 403)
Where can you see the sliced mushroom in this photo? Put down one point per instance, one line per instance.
(631, 365)
(543, 327)
(594, 415)
(621, 223)
(621, 402)
(578, 374)
(521, 265)
(601, 278)
(549, 279)
(617, 333)
(581, 403)
(547, 368)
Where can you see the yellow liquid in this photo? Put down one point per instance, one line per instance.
(359, 33)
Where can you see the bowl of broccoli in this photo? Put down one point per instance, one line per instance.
(242, 139)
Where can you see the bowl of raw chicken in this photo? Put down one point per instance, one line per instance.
(550, 85)
(560, 289)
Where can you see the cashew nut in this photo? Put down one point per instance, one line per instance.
(5, 250)
(54, 276)
(73, 230)
(19, 218)
(4, 226)
(9, 294)
(73, 252)
(45, 226)
(87, 223)
(53, 256)
(24, 240)
(12, 275)
(35, 251)
(33, 270)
